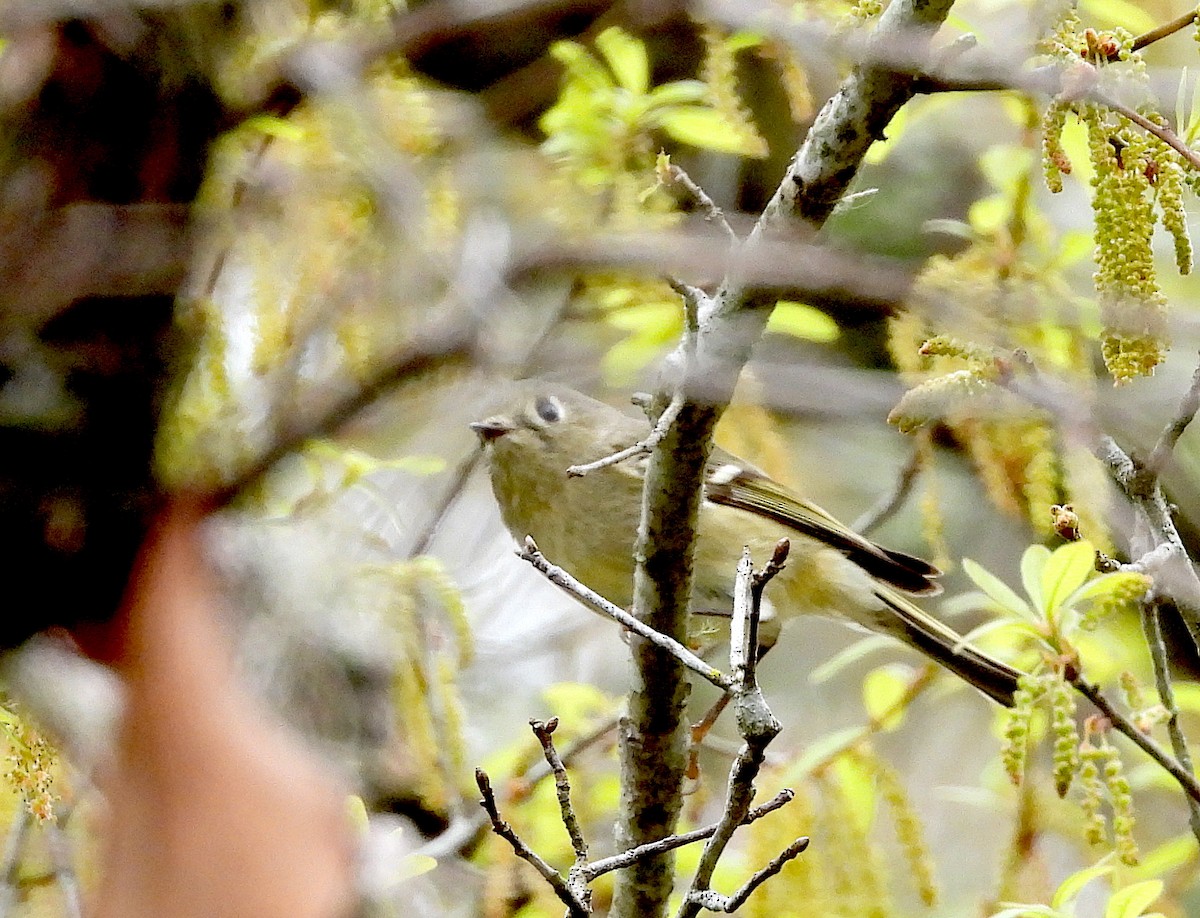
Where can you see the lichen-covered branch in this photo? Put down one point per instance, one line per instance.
(1176, 577)
(653, 737)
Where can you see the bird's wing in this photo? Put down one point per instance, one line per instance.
(735, 485)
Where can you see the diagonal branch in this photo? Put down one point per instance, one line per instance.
(593, 600)
(575, 908)
(1188, 406)
(1127, 728)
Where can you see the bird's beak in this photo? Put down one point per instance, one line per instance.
(491, 429)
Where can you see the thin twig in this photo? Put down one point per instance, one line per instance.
(1160, 32)
(1125, 726)
(693, 300)
(671, 842)
(641, 448)
(715, 902)
(1152, 627)
(464, 831)
(593, 600)
(756, 724)
(544, 731)
(1165, 134)
(1188, 406)
(758, 583)
(875, 516)
(435, 349)
(575, 908)
(712, 212)
(1177, 577)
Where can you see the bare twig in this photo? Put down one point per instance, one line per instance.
(1163, 133)
(715, 902)
(464, 831)
(1152, 627)
(1126, 727)
(641, 448)
(544, 731)
(756, 724)
(575, 907)
(671, 842)
(593, 600)
(576, 881)
(892, 501)
(1188, 406)
(1160, 32)
(712, 212)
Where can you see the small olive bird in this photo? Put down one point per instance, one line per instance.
(588, 525)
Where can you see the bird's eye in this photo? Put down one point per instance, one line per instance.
(548, 408)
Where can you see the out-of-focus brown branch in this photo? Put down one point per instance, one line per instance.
(92, 249)
(453, 341)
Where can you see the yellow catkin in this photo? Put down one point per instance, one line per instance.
(1066, 737)
(1125, 593)
(1132, 306)
(1015, 749)
(1092, 788)
(1055, 162)
(1113, 772)
(909, 831)
(863, 885)
(719, 72)
(794, 78)
(906, 333)
(1040, 476)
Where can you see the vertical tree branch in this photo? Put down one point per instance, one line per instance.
(653, 735)
(1152, 626)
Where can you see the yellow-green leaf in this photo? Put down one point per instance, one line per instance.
(1065, 571)
(848, 655)
(1032, 563)
(883, 688)
(996, 589)
(678, 92)
(357, 811)
(1131, 901)
(413, 865)
(274, 126)
(1168, 856)
(626, 57)
(1120, 13)
(1073, 885)
(820, 751)
(802, 321)
(702, 127)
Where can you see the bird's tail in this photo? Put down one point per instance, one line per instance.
(917, 629)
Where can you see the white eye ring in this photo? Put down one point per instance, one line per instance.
(548, 408)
